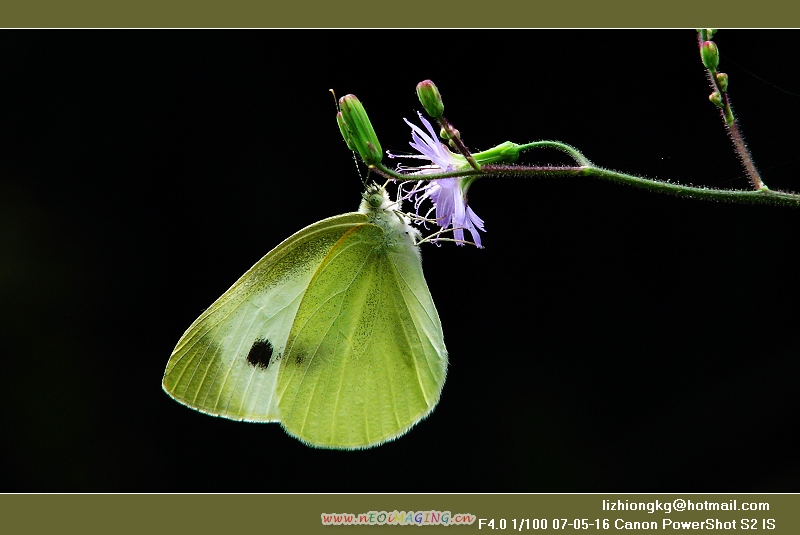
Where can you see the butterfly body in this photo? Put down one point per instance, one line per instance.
(333, 334)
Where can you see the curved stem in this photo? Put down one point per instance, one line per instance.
(763, 195)
(557, 145)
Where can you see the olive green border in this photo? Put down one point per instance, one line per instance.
(408, 13)
(301, 513)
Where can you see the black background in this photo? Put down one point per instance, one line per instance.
(606, 339)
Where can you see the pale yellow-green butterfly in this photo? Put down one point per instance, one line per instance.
(333, 334)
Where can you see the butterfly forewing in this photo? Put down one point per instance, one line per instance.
(333, 333)
(365, 359)
(226, 362)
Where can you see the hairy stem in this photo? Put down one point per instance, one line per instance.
(732, 124)
(456, 139)
(763, 195)
(563, 147)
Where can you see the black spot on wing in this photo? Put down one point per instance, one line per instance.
(260, 354)
(299, 357)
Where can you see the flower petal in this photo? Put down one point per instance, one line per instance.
(447, 195)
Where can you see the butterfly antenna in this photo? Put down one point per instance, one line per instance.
(358, 170)
(364, 179)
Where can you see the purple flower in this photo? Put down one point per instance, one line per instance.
(448, 195)
(450, 202)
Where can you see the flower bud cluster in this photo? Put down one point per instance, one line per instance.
(709, 54)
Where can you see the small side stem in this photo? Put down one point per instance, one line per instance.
(452, 134)
(732, 124)
(743, 152)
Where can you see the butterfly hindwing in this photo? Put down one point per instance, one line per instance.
(226, 363)
(365, 359)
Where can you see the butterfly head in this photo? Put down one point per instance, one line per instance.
(376, 199)
(381, 210)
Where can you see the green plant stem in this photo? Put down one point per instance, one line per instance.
(456, 139)
(763, 195)
(732, 124)
(557, 145)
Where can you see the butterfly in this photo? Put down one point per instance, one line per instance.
(333, 334)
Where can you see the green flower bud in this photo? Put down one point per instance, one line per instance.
(430, 98)
(728, 116)
(445, 135)
(716, 99)
(361, 134)
(710, 55)
(506, 152)
(722, 80)
(344, 131)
